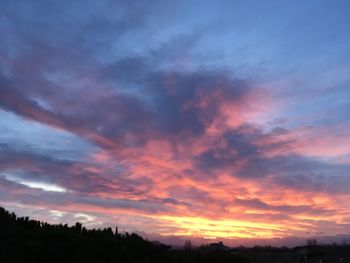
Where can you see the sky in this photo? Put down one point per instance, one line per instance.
(201, 120)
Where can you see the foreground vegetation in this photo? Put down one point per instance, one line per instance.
(26, 240)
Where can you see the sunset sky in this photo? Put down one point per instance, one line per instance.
(178, 119)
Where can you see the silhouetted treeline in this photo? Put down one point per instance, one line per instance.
(26, 240)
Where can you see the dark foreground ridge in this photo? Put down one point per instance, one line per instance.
(26, 240)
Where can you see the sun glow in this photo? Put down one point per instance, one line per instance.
(209, 228)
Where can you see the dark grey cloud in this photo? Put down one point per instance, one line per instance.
(261, 160)
(286, 209)
(14, 191)
(166, 104)
(72, 175)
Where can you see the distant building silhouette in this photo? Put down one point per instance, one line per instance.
(220, 245)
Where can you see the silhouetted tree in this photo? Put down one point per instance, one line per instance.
(188, 245)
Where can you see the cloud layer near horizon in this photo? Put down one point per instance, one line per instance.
(175, 124)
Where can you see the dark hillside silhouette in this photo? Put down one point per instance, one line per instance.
(26, 240)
